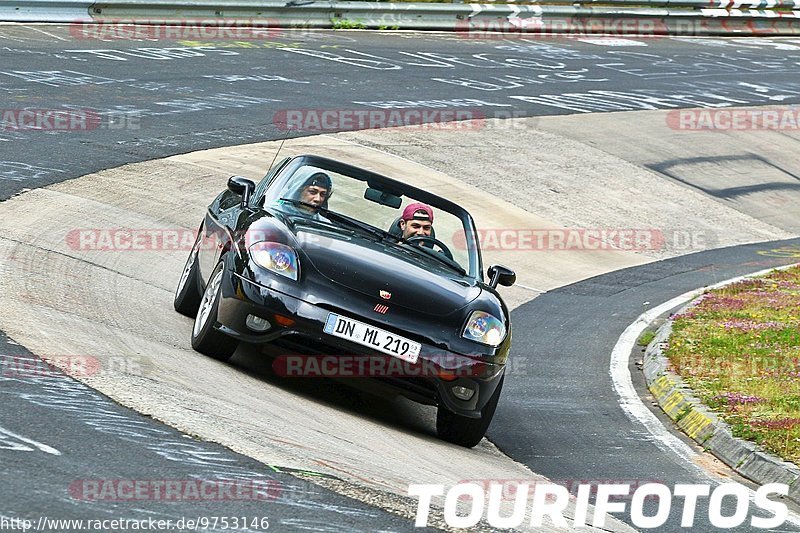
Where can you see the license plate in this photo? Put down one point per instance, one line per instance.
(375, 338)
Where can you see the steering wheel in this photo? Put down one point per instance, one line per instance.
(432, 240)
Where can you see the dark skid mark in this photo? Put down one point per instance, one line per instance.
(667, 168)
(629, 278)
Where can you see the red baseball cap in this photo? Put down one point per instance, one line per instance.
(418, 211)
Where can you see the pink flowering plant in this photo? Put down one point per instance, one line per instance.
(738, 347)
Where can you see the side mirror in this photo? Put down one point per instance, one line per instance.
(241, 186)
(500, 275)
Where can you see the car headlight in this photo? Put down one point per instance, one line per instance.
(276, 257)
(484, 328)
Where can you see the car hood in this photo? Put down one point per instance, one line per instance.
(368, 266)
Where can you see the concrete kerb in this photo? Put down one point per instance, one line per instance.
(704, 427)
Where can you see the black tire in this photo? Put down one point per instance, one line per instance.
(187, 295)
(205, 338)
(464, 431)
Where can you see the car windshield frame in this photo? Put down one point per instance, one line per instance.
(393, 186)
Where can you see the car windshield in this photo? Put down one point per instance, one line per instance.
(373, 208)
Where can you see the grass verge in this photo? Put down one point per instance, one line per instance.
(738, 348)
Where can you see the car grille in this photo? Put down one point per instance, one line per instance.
(421, 389)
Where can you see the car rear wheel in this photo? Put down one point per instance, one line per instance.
(465, 431)
(187, 295)
(205, 338)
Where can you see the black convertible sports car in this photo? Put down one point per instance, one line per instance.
(361, 275)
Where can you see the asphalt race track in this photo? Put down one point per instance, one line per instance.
(94, 444)
(151, 99)
(158, 99)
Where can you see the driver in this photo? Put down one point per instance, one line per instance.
(417, 220)
(314, 192)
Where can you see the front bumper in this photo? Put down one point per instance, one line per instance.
(298, 324)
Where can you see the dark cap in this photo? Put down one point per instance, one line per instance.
(318, 179)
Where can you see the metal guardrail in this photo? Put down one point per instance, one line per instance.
(618, 17)
(45, 10)
(698, 4)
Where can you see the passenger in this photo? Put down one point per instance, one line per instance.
(315, 192)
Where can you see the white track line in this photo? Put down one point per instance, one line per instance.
(43, 447)
(46, 33)
(629, 400)
(623, 383)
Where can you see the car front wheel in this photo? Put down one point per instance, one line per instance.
(205, 338)
(465, 431)
(187, 295)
